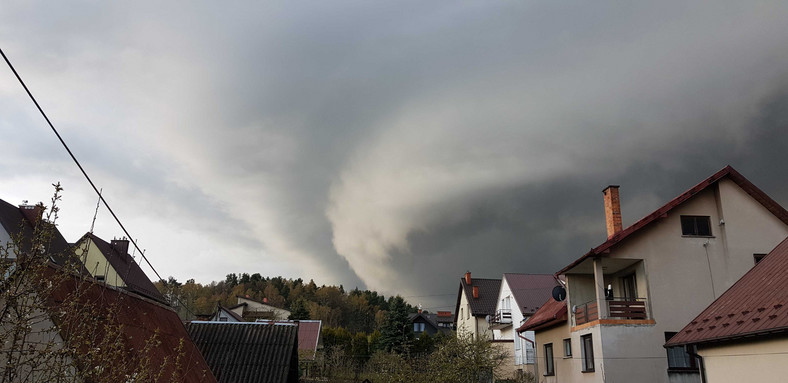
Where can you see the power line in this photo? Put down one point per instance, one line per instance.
(84, 173)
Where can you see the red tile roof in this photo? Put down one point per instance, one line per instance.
(551, 313)
(530, 290)
(756, 304)
(141, 319)
(728, 172)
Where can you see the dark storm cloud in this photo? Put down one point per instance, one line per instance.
(396, 145)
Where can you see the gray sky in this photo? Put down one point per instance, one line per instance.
(386, 145)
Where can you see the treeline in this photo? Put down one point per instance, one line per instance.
(355, 310)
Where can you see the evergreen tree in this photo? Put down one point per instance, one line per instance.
(299, 311)
(397, 331)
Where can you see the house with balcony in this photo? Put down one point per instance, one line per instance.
(476, 300)
(519, 297)
(634, 291)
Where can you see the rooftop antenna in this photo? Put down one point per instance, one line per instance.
(98, 203)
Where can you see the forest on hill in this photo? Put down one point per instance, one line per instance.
(355, 310)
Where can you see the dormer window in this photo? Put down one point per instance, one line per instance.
(696, 225)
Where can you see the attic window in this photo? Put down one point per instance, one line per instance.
(696, 225)
(99, 278)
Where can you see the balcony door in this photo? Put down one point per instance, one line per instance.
(629, 287)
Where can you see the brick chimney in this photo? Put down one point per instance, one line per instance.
(612, 210)
(120, 245)
(476, 292)
(468, 278)
(32, 213)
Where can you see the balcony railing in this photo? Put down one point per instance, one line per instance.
(627, 308)
(586, 312)
(501, 319)
(622, 308)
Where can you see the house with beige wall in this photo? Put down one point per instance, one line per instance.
(743, 335)
(111, 264)
(476, 300)
(631, 293)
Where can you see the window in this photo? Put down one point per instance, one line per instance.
(99, 278)
(468, 313)
(549, 368)
(695, 225)
(678, 357)
(418, 327)
(222, 319)
(758, 257)
(587, 350)
(567, 348)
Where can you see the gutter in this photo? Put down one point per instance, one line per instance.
(701, 365)
(536, 359)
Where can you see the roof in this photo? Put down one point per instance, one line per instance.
(756, 304)
(15, 224)
(530, 290)
(248, 351)
(230, 313)
(488, 295)
(131, 273)
(726, 172)
(139, 318)
(308, 333)
(550, 314)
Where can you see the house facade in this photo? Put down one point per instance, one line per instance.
(554, 353)
(431, 323)
(519, 298)
(628, 295)
(476, 299)
(743, 335)
(110, 263)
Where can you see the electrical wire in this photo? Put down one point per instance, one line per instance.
(81, 169)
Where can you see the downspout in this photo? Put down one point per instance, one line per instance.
(701, 365)
(536, 359)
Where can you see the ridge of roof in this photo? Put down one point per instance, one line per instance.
(128, 270)
(728, 171)
(756, 304)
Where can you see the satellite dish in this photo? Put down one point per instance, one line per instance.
(487, 318)
(574, 309)
(559, 293)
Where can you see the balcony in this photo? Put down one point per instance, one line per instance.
(617, 308)
(501, 319)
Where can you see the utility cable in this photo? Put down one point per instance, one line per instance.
(84, 173)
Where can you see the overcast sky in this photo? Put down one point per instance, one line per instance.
(385, 145)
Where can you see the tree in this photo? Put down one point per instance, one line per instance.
(396, 332)
(299, 311)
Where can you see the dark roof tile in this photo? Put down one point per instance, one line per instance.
(530, 290)
(248, 351)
